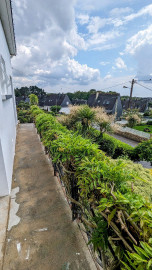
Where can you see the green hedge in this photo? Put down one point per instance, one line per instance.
(24, 116)
(112, 146)
(115, 211)
(117, 149)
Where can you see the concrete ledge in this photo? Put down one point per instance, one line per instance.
(4, 212)
(6, 97)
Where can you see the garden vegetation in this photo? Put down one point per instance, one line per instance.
(107, 194)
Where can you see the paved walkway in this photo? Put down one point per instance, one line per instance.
(125, 140)
(145, 164)
(41, 235)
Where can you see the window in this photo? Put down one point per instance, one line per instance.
(5, 80)
(106, 102)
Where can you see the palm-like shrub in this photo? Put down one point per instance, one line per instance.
(133, 117)
(86, 116)
(80, 117)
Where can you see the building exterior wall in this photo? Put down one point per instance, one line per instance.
(8, 120)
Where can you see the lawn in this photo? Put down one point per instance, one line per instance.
(142, 128)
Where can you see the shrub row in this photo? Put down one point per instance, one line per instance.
(105, 193)
(116, 149)
(24, 116)
(110, 145)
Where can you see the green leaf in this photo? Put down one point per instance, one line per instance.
(147, 248)
(137, 258)
(110, 217)
(141, 252)
(127, 267)
(149, 264)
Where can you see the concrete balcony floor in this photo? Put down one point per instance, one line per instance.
(40, 233)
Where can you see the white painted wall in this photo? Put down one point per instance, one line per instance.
(8, 121)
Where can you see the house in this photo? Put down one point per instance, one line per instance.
(79, 101)
(22, 99)
(140, 104)
(111, 102)
(8, 117)
(55, 99)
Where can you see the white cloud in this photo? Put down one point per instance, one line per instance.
(120, 63)
(147, 10)
(108, 76)
(119, 12)
(83, 18)
(117, 18)
(47, 42)
(139, 40)
(140, 46)
(101, 38)
(102, 63)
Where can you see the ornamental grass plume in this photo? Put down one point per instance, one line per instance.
(104, 120)
(70, 119)
(63, 119)
(133, 119)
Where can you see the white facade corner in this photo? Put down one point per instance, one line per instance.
(8, 116)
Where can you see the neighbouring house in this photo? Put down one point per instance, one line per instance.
(79, 101)
(111, 102)
(8, 117)
(20, 99)
(141, 104)
(55, 99)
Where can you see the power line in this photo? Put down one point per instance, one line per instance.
(144, 80)
(113, 86)
(144, 86)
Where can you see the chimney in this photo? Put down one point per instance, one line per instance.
(97, 94)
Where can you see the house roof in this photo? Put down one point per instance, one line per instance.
(103, 100)
(140, 104)
(6, 18)
(54, 99)
(79, 101)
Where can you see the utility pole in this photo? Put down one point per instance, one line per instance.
(131, 91)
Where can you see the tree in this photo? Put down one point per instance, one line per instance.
(26, 91)
(55, 109)
(33, 99)
(81, 94)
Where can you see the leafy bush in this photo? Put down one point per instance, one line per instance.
(55, 109)
(24, 116)
(112, 146)
(133, 117)
(106, 194)
(33, 99)
(23, 105)
(144, 150)
(149, 123)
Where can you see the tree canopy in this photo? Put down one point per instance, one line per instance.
(26, 91)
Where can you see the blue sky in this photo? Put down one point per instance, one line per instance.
(69, 45)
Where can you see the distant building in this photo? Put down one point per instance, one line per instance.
(8, 117)
(55, 99)
(79, 101)
(141, 104)
(109, 101)
(22, 99)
